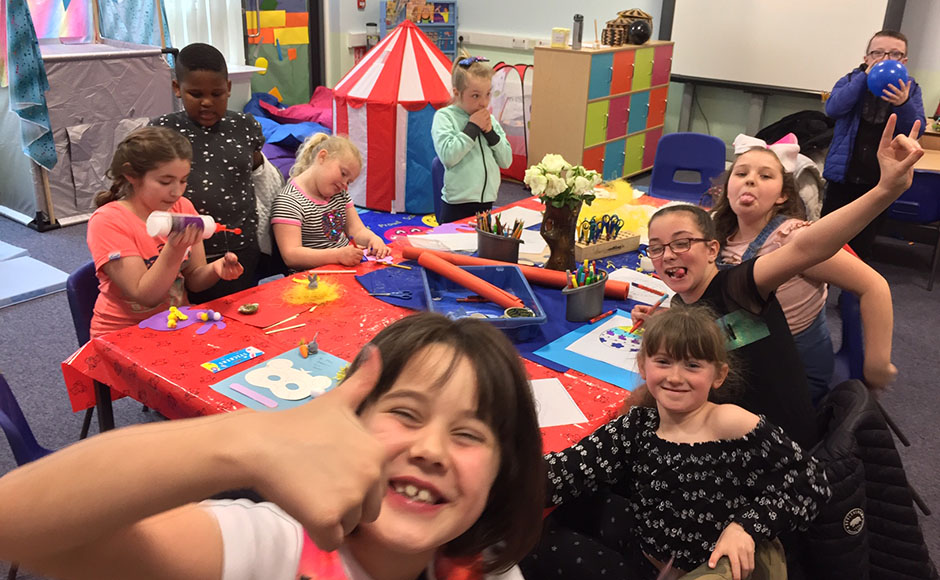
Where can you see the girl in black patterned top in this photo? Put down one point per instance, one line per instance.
(701, 480)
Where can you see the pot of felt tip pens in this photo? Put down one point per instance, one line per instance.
(584, 294)
(496, 241)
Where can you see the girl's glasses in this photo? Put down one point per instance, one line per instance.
(893, 55)
(680, 246)
(468, 62)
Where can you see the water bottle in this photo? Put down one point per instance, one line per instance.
(163, 223)
(576, 30)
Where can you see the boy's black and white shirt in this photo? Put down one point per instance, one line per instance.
(220, 180)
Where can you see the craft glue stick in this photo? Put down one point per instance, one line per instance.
(163, 223)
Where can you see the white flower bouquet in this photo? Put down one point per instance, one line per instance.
(558, 182)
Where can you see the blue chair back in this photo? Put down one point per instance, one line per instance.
(686, 152)
(921, 203)
(14, 425)
(437, 182)
(82, 291)
(850, 358)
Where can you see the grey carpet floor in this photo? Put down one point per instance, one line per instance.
(38, 335)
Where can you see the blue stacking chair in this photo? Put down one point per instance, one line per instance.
(82, 291)
(921, 205)
(437, 182)
(687, 152)
(24, 444)
(850, 358)
(21, 438)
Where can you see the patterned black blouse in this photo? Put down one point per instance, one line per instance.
(684, 495)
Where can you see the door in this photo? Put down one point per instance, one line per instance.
(602, 67)
(662, 64)
(633, 158)
(618, 110)
(593, 159)
(622, 81)
(639, 110)
(649, 145)
(613, 160)
(657, 114)
(643, 71)
(595, 126)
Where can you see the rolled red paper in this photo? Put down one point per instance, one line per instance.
(614, 289)
(467, 280)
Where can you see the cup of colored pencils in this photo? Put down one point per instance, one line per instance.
(584, 292)
(496, 241)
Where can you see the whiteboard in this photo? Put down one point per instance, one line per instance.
(794, 44)
(536, 18)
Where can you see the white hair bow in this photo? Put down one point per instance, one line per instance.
(786, 148)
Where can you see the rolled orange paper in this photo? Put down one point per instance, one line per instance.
(614, 289)
(469, 281)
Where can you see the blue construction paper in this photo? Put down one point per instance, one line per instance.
(391, 279)
(555, 351)
(321, 363)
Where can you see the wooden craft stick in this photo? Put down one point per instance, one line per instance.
(402, 266)
(596, 42)
(276, 330)
(288, 319)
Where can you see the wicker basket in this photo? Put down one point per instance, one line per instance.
(615, 33)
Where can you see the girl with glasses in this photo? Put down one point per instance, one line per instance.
(744, 296)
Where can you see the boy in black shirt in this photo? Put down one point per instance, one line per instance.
(226, 149)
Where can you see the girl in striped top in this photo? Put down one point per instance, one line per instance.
(313, 218)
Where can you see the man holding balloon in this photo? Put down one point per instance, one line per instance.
(861, 103)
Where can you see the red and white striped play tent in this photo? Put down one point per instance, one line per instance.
(386, 104)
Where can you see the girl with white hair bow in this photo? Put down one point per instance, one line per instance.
(759, 211)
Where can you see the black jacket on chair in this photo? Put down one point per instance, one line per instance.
(869, 529)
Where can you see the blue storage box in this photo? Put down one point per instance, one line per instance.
(441, 296)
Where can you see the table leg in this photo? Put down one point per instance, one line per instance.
(105, 412)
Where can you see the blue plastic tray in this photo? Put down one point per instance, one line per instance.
(441, 295)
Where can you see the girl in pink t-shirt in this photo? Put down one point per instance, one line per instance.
(759, 211)
(140, 275)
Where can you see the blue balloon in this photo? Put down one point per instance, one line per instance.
(884, 73)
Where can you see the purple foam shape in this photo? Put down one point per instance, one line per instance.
(243, 390)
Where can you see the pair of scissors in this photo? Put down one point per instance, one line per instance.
(616, 224)
(403, 294)
(584, 232)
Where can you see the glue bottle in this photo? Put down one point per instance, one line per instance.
(163, 223)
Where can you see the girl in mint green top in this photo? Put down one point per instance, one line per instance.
(470, 143)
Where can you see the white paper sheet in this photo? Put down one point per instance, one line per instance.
(554, 404)
(529, 216)
(610, 343)
(638, 281)
(446, 242)
(533, 242)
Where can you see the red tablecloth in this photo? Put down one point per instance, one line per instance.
(162, 369)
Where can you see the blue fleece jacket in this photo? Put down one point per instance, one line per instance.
(845, 106)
